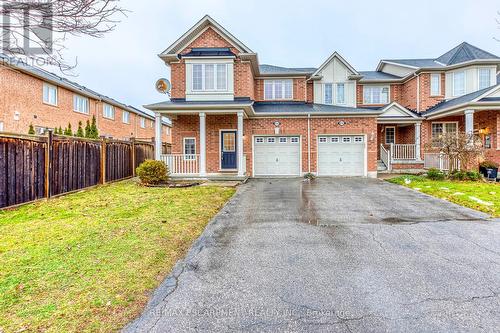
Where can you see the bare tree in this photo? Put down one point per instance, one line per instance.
(460, 147)
(42, 27)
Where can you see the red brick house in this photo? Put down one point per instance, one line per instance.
(30, 95)
(235, 117)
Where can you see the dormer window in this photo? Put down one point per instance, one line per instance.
(484, 78)
(209, 77)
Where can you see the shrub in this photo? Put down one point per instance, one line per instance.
(31, 130)
(152, 172)
(435, 174)
(489, 164)
(473, 175)
(458, 175)
(309, 176)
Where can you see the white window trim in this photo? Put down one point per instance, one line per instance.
(336, 93)
(324, 92)
(203, 89)
(283, 90)
(128, 118)
(385, 134)
(453, 83)
(444, 127)
(104, 113)
(184, 147)
(439, 84)
(85, 98)
(479, 77)
(381, 88)
(45, 84)
(142, 122)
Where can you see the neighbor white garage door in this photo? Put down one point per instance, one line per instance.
(341, 155)
(276, 156)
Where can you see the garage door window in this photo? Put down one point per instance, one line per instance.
(270, 140)
(346, 140)
(259, 140)
(358, 139)
(323, 139)
(282, 140)
(294, 140)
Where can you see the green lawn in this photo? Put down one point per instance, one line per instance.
(87, 261)
(477, 195)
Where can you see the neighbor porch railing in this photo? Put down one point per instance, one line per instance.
(385, 157)
(182, 164)
(403, 151)
(440, 161)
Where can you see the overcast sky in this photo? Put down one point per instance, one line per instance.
(124, 64)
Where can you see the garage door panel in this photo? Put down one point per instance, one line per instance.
(277, 158)
(341, 156)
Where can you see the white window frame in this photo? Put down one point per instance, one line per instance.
(77, 97)
(385, 134)
(438, 92)
(453, 83)
(271, 140)
(110, 107)
(143, 122)
(346, 139)
(323, 139)
(188, 156)
(479, 77)
(335, 139)
(358, 139)
(294, 140)
(330, 86)
(49, 86)
(337, 101)
(259, 140)
(123, 117)
(282, 139)
(371, 101)
(215, 77)
(444, 128)
(1, 126)
(283, 83)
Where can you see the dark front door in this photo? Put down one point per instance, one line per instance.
(228, 149)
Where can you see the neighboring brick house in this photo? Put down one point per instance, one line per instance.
(233, 117)
(30, 95)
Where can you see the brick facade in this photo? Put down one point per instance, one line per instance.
(22, 104)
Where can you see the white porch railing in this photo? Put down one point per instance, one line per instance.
(385, 157)
(403, 151)
(439, 161)
(182, 164)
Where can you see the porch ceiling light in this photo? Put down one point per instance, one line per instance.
(484, 131)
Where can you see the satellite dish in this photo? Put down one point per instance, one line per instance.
(163, 86)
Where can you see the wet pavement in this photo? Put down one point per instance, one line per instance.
(353, 255)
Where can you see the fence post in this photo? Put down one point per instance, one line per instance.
(48, 164)
(133, 157)
(103, 161)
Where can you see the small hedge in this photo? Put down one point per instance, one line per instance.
(152, 172)
(465, 175)
(435, 174)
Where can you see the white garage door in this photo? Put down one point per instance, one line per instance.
(276, 156)
(341, 155)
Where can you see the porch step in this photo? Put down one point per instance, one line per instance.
(381, 166)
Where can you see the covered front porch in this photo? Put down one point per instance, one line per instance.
(207, 140)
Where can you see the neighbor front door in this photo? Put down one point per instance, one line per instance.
(228, 149)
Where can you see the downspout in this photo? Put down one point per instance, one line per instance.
(309, 143)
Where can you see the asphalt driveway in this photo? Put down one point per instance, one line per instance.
(353, 255)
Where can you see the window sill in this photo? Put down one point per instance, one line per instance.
(49, 104)
(84, 113)
(108, 118)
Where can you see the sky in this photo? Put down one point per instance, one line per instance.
(124, 63)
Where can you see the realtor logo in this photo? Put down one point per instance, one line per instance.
(26, 27)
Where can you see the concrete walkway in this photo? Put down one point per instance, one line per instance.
(344, 255)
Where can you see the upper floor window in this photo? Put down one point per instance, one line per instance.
(375, 95)
(209, 77)
(126, 117)
(108, 111)
(458, 83)
(340, 98)
(278, 89)
(328, 93)
(484, 78)
(49, 94)
(143, 122)
(167, 130)
(81, 104)
(435, 84)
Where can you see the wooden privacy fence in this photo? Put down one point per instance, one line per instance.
(34, 167)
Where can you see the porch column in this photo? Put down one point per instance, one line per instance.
(417, 140)
(158, 142)
(469, 122)
(203, 145)
(240, 144)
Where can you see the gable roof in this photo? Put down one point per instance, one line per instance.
(395, 110)
(377, 76)
(199, 28)
(339, 57)
(415, 63)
